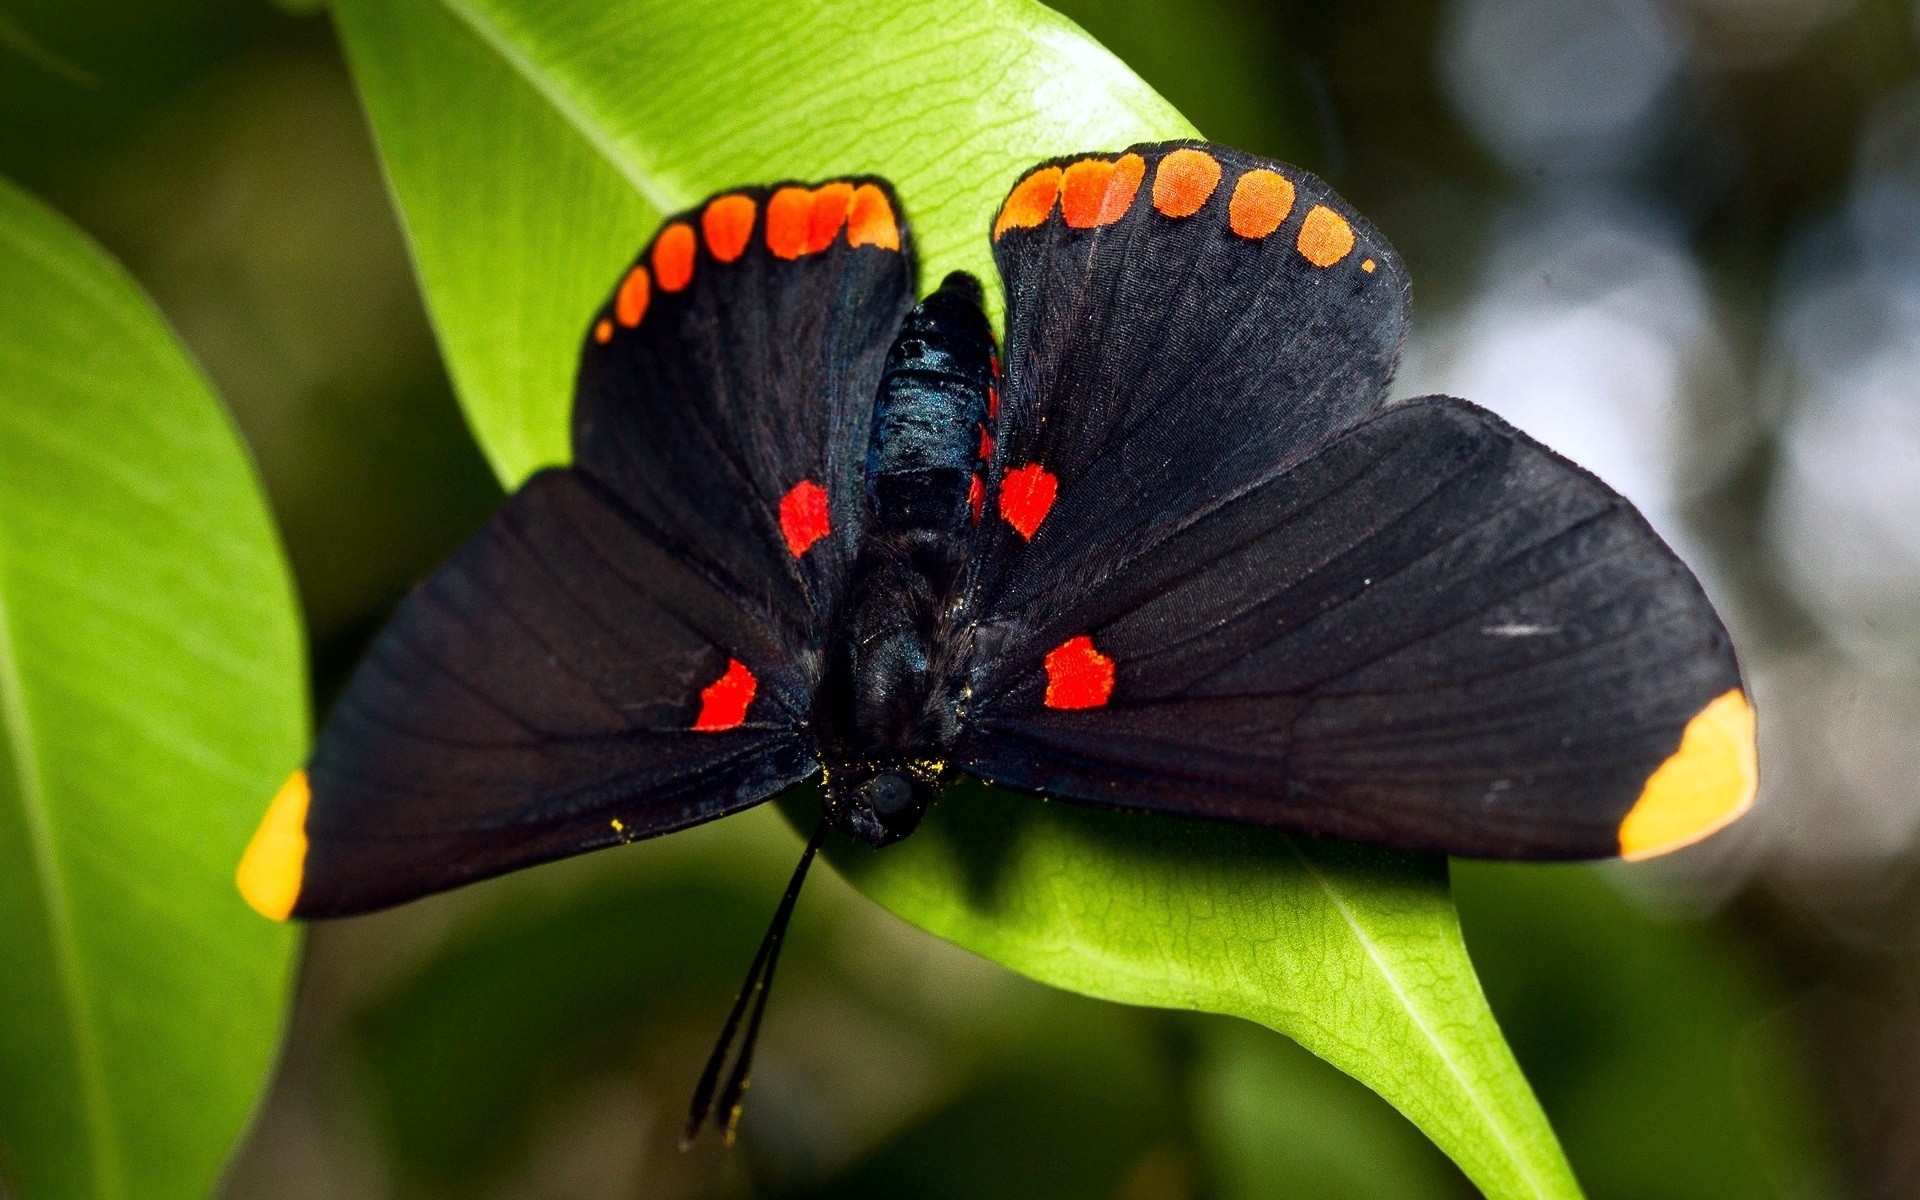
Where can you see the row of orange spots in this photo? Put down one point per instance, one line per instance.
(1078, 676)
(723, 703)
(1095, 192)
(805, 221)
(803, 516)
(799, 221)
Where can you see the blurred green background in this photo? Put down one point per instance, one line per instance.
(1678, 241)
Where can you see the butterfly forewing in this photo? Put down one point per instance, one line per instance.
(1412, 626)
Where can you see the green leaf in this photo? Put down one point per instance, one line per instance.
(152, 694)
(533, 147)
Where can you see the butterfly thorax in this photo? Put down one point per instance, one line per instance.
(888, 711)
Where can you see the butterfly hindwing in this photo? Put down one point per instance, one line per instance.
(632, 645)
(1412, 626)
(561, 683)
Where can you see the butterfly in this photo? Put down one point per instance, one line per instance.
(1168, 551)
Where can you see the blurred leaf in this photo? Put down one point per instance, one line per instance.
(1653, 1043)
(533, 146)
(1283, 1125)
(251, 208)
(151, 691)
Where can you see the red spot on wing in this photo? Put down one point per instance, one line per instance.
(723, 703)
(993, 396)
(976, 497)
(1025, 496)
(986, 444)
(1078, 676)
(803, 516)
(603, 331)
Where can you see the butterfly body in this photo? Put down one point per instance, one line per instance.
(889, 709)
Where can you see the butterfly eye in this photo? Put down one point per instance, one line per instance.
(889, 794)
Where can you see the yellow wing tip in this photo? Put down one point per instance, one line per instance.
(270, 871)
(1702, 787)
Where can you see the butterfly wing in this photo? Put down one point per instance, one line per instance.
(727, 388)
(630, 645)
(1411, 626)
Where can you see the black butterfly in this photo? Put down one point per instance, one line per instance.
(1178, 558)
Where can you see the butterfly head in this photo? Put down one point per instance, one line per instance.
(882, 802)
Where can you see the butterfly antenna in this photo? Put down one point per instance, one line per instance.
(754, 991)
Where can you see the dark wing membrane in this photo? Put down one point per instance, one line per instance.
(556, 686)
(1431, 633)
(727, 386)
(1182, 319)
(631, 646)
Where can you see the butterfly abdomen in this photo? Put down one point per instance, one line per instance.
(931, 425)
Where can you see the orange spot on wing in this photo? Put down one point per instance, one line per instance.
(1325, 237)
(870, 221)
(1078, 676)
(603, 331)
(1026, 495)
(1184, 181)
(976, 497)
(631, 304)
(789, 213)
(276, 858)
(673, 257)
(1702, 786)
(993, 396)
(1367, 266)
(1261, 200)
(803, 516)
(728, 224)
(1030, 202)
(723, 703)
(1094, 192)
(830, 204)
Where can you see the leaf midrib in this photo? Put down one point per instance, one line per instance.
(31, 788)
(555, 94)
(1419, 1019)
